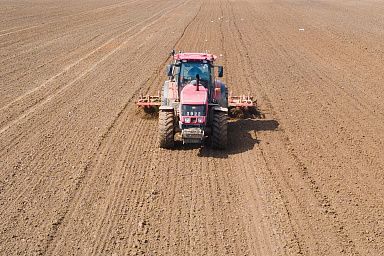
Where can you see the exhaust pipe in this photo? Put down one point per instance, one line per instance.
(197, 81)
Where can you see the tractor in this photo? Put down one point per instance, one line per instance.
(193, 106)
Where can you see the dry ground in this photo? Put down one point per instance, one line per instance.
(80, 172)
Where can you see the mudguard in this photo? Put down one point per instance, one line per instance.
(166, 108)
(165, 94)
(221, 93)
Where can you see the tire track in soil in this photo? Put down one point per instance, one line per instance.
(225, 18)
(257, 234)
(26, 189)
(174, 221)
(104, 151)
(175, 201)
(36, 180)
(353, 102)
(157, 79)
(43, 101)
(80, 179)
(131, 198)
(364, 101)
(252, 79)
(72, 54)
(350, 101)
(100, 9)
(282, 193)
(248, 62)
(322, 199)
(337, 116)
(73, 27)
(115, 125)
(41, 46)
(106, 214)
(337, 90)
(74, 30)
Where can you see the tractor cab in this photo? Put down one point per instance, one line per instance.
(189, 70)
(187, 66)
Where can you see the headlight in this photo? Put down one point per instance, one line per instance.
(200, 120)
(187, 120)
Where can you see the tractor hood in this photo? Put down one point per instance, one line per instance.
(190, 95)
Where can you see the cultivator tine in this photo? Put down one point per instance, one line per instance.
(242, 101)
(150, 104)
(149, 100)
(242, 106)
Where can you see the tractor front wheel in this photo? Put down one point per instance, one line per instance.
(166, 129)
(219, 130)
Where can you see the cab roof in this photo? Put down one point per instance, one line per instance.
(195, 56)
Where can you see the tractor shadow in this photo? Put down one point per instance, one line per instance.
(242, 136)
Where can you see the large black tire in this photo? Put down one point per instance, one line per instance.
(166, 129)
(219, 130)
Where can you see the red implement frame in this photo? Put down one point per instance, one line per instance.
(233, 101)
(149, 101)
(241, 101)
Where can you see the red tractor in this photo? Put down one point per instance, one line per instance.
(194, 105)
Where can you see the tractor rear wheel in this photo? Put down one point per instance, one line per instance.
(219, 130)
(166, 129)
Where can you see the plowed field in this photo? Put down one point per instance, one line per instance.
(80, 169)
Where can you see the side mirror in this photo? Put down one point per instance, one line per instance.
(220, 71)
(169, 70)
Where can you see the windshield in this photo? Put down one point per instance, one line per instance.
(193, 110)
(189, 70)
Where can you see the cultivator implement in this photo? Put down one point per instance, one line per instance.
(241, 101)
(149, 103)
(242, 106)
(239, 106)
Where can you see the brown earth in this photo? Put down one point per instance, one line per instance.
(80, 170)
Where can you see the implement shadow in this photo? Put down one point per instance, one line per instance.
(242, 136)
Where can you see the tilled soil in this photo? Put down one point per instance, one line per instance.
(81, 172)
